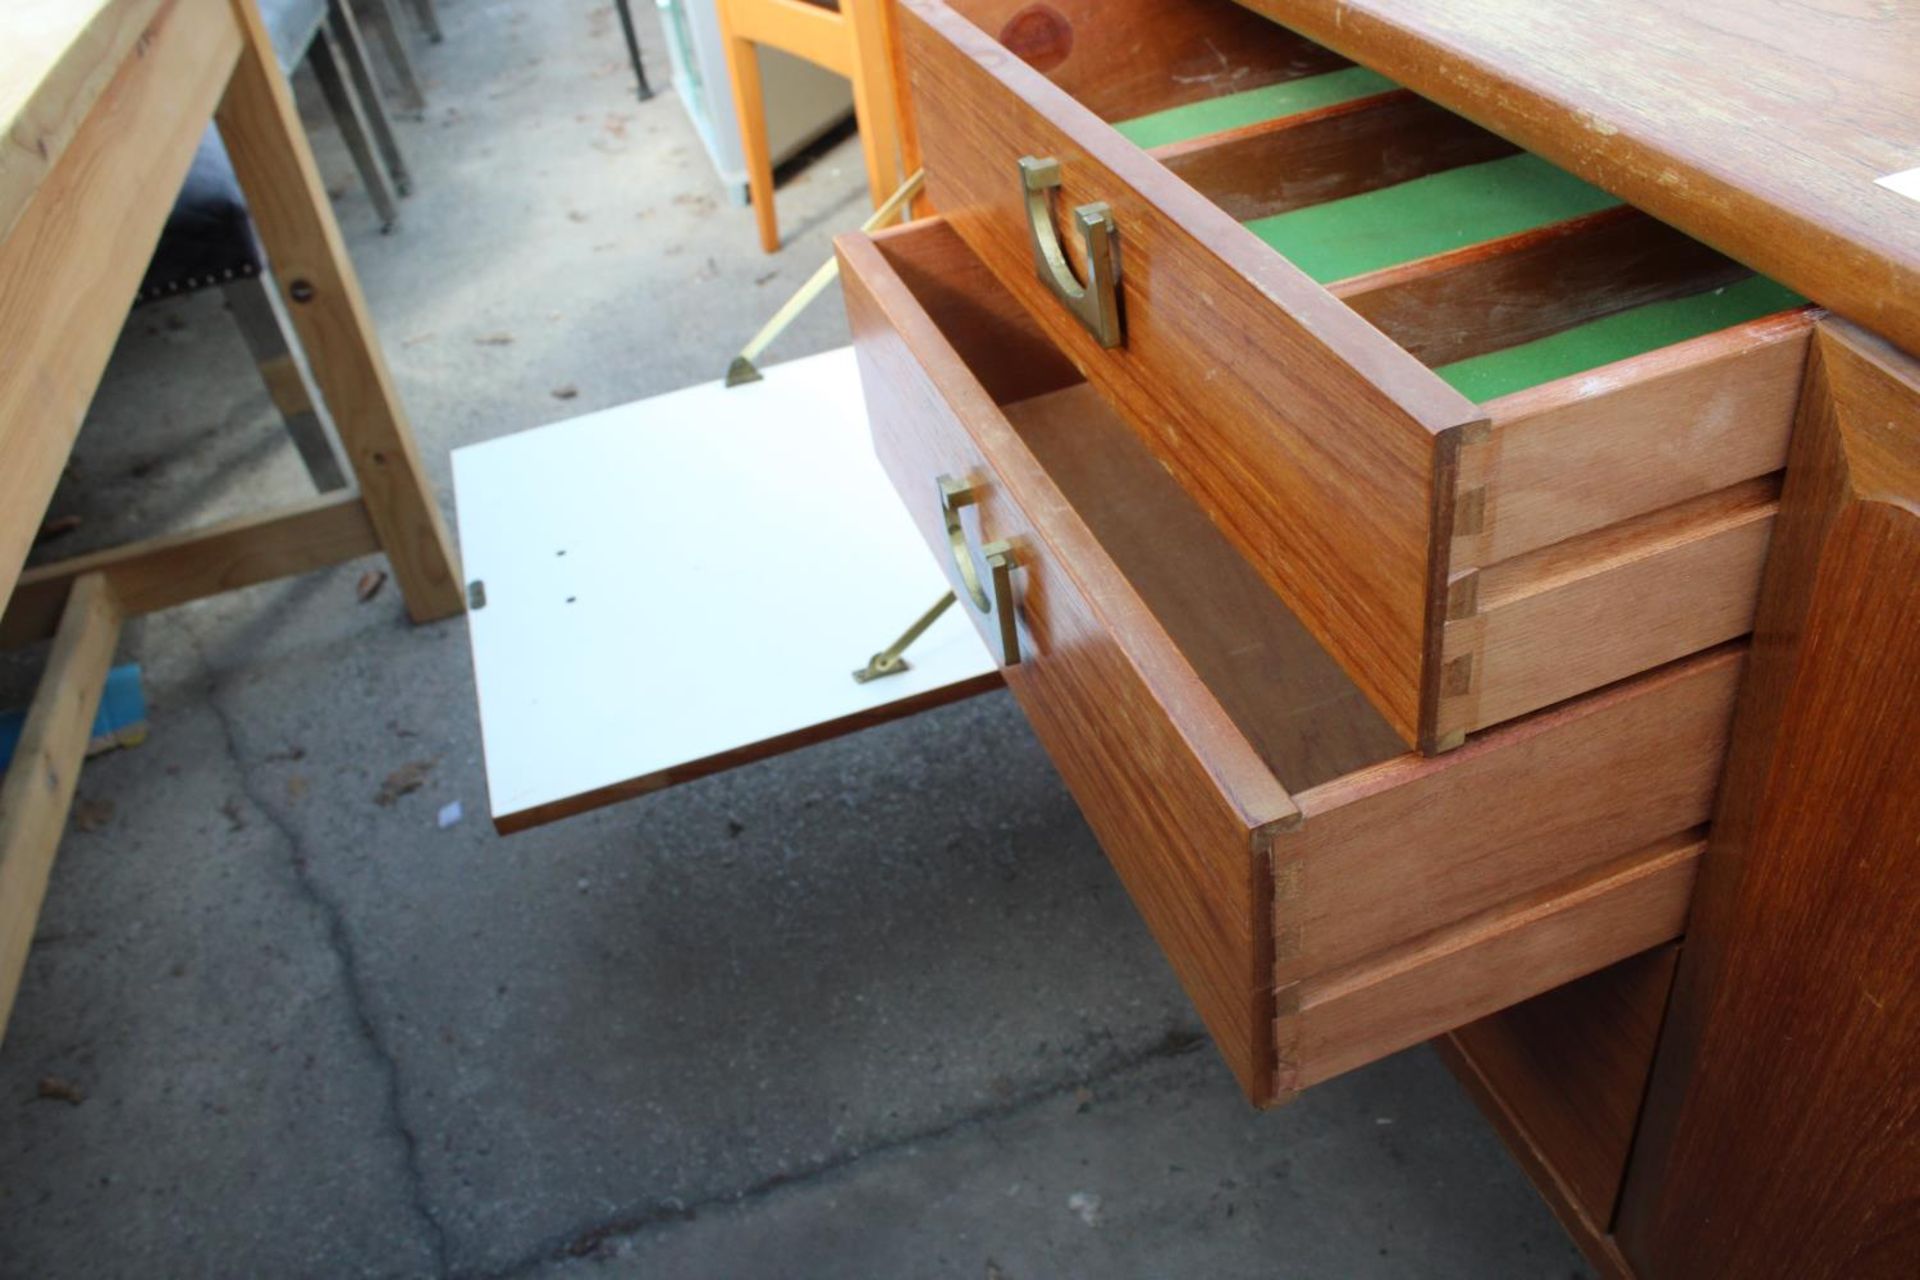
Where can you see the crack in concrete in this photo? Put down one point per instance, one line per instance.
(340, 942)
(582, 1243)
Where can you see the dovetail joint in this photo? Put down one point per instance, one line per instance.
(1470, 512)
(1286, 1047)
(1463, 596)
(1456, 678)
(1286, 879)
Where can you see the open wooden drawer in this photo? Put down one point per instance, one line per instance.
(1325, 896)
(1495, 438)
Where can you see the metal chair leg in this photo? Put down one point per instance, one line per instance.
(429, 20)
(379, 15)
(346, 34)
(325, 60)
(270, 340)
(633, 48)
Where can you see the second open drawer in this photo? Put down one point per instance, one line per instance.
(1325, 896)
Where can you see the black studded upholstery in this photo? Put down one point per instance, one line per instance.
(208, 238)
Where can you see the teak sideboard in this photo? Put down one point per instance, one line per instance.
(1443, 482)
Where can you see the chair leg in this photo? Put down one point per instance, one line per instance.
(270, 341)
(345, 105)
(904, 122)
(429, 20)
(379, 14)
(353, 50)
(749, 103)
(633, 47)
(872, 144)
(874, 106)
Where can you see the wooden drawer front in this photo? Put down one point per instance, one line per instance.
(1175, 795)
(1470, 545)
(1234, 363)
(1324, 896)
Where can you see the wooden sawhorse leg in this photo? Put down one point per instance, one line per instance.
(262, 132)
(38, 788)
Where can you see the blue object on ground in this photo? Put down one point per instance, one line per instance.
(120, 722)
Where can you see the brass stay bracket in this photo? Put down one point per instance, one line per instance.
(743, 370)
(889, 662)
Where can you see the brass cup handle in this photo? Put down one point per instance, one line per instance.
(998, 558)
(1097, 302)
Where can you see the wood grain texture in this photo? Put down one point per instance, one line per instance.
(1510, 953)
(1126, 58)
(1317, 443)
(1298, 710)
(1391, 853)
(1782, 1131)
(1579, 454)
(1758, 126)
(1329, 154)
(1175, 706)
(1590, 1237)
(1504, 292)
(39, 784)
(1582, 613)
(159, 573)
(1564, 1075)
(998, 340)
(264, 137)
(1173, 791)
(56, 59)
(75, 255)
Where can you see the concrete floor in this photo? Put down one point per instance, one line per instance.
(878, 1008)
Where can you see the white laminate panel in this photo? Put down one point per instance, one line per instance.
(686, 578)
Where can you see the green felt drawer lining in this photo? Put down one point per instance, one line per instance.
(1616, 337)
(1469, 205)
(1442, 211)
(1252, 106)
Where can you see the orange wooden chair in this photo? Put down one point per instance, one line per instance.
(852, 38)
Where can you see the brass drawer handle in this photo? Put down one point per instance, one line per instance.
(1096, 303)
(998, 557)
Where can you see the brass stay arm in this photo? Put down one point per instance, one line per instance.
(888, 661)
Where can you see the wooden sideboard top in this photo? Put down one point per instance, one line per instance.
(1758, 126)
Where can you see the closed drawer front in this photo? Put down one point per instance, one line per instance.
(1496, 439)
(1325, 896)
